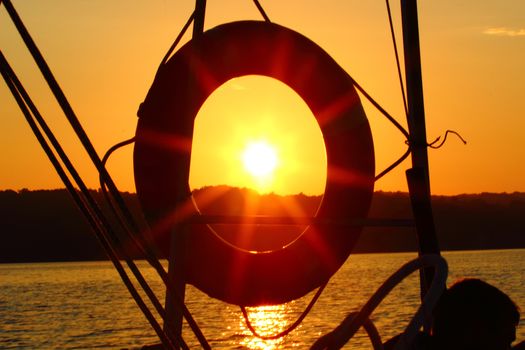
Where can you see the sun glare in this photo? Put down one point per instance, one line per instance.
(256, 132)
(259, 159)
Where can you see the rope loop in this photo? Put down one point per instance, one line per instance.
(292, 327)
(436, 140)
(433, 143)
(349, 326)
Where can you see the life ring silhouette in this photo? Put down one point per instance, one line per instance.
(162, 160)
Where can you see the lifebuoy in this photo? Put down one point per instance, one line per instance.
(162, 160)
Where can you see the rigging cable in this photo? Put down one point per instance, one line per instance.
(103, 187)
(397, 56)
(177, 40)
(88, 200)
(394, 122)
(27, 108)
(390, 118)
(405, 105)
(261, 10)
(71, 116)
(67, 109)
(158, 306)
(393, 165)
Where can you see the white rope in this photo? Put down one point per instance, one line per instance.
(346, 330)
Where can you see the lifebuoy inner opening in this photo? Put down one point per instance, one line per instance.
(257, 150)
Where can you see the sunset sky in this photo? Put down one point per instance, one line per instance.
(105, 53)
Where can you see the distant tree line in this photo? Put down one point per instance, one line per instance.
(45, 225)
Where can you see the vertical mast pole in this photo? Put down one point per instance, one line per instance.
(176, 266)
(418, 176)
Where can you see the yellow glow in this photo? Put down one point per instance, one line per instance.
(106, 89)
(267, 321)
(259, 159)
(256, 132)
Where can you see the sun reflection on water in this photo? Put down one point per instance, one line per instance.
(267, 321)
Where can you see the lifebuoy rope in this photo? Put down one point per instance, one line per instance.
(290, 328)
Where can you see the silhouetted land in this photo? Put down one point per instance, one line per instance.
(46, 225)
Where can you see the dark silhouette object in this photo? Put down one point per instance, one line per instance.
(470, 315)
(162, 162)
(474, 315)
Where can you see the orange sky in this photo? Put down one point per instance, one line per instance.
(104, 55)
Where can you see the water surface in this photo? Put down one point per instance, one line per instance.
(81, 305)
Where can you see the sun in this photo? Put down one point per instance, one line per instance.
(259, 159)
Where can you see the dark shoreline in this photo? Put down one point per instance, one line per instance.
(45, 226)
(143, 260)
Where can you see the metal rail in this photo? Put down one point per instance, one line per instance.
(299, 220)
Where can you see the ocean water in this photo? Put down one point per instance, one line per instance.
(84, 305)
